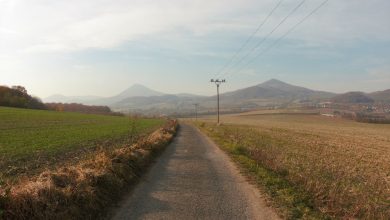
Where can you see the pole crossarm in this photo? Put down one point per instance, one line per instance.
(218, 81)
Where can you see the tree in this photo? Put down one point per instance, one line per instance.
(20, 89)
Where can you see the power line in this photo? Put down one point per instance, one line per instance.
(267, 36)
(249, 39)
(283, 36)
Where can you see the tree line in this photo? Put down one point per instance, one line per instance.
(76, 107)
(18, 97)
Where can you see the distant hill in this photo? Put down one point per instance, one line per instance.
(380, 96)
(352, 97)
(136, 90)
(276, 90)
(133, 91)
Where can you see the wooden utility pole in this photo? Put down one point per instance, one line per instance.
(217, 82)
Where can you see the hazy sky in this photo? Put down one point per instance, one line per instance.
(101, 47)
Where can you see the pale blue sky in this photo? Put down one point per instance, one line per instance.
(101, 47)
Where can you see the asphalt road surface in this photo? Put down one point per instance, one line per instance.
(194, 179)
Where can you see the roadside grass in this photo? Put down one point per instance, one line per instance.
(87, 188)
(310, 175)
(32, 139)
(293, 201)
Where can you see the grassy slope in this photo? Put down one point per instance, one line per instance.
(32, 134)
(313, 164)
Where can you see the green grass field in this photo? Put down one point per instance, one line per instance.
(33, 135)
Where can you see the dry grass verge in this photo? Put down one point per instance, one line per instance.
(86, 189)
(313, 175)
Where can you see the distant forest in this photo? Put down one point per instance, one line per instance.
(75, 107)
(18, 97)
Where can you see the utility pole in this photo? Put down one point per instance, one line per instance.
(196, 111)
(217, 82)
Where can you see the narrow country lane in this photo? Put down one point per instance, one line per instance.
(194, 179)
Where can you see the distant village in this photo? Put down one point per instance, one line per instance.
(363, 112)
(359, 107)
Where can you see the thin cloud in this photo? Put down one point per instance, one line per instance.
(59, 26)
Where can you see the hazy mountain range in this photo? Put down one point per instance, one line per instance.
(133, 91)
(139, 98)
(274, 90)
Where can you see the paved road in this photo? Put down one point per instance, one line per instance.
(194, 179)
